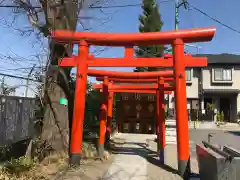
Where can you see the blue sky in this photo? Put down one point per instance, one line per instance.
(225, 40)
(125, 20)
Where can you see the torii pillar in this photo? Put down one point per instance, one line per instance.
(109, 117)
(103, 117)
(181, 110)
(79, 104)
(161, 120)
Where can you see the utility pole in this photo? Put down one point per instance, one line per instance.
(27, 84)
(177, 6)
(176, 24)
(2, 85)
(176, 14)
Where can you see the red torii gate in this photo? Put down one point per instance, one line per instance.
(159, 89)
(175, 38)
(106, 89)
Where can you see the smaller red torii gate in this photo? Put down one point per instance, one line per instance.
(107, 87)
(159, 89)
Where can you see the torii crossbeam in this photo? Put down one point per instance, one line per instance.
(134, 87)
(136, 81)
(135, 75)
(130, 61)
(134, 39)
(136, 91)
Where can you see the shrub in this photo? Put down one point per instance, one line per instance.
(218, 116)
(222, 116)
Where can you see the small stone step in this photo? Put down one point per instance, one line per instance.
(171, 140)
(171, 134)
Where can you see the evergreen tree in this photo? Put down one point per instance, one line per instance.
(150, 21)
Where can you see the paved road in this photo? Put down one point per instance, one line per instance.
(230, 138)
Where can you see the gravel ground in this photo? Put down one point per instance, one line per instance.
(88, 170)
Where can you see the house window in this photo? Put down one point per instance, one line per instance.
(222, 74)
(188, 74)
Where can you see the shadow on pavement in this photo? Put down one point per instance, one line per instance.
(143, 151)
(235, 133)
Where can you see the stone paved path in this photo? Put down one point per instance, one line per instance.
(138, 161)
(133, 158)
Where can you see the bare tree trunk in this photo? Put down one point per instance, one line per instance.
(56, 127)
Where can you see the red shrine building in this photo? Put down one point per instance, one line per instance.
(136, 113)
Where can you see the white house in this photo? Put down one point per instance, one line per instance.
(217, 84)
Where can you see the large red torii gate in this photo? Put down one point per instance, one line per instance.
(175, 38)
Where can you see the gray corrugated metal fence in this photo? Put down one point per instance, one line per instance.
(17, 115)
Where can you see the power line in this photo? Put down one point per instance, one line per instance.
(114, 6)
(90, 7)
(16, 6)
(214, 19)
(19, 77)
(133, 5)
(22, 68)
(123, 6)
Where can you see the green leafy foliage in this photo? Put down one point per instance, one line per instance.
(150, 21)
(220, 116)
(19, 165)
(211, 106)
(92, 106)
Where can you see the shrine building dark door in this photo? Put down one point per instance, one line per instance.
(136, 113)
